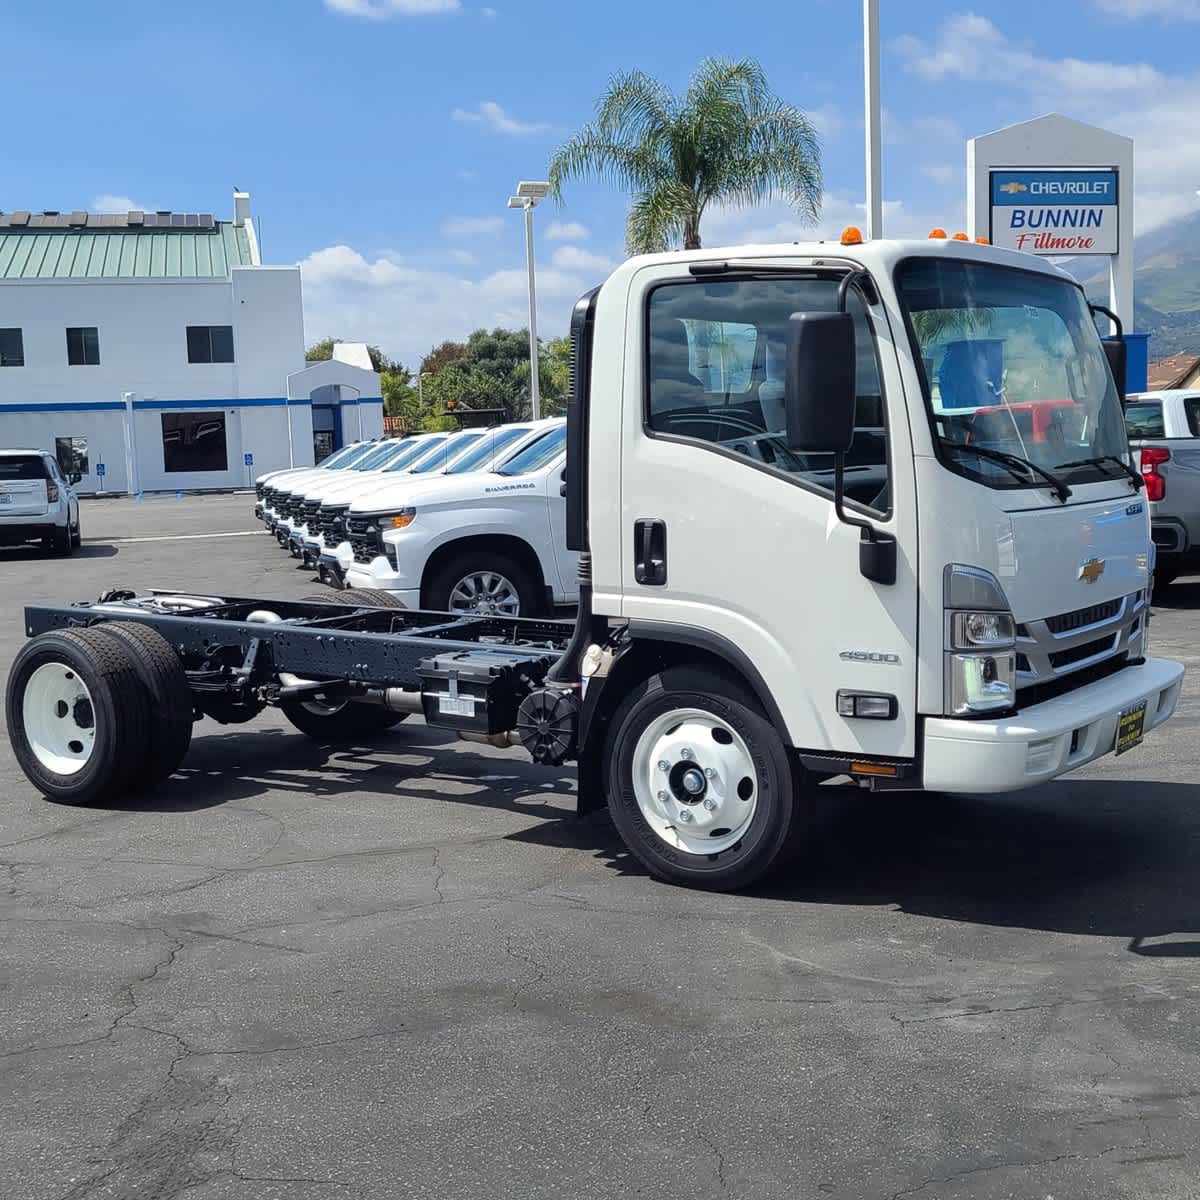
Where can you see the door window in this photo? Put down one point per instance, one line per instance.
(1191, 406)
(715, 363)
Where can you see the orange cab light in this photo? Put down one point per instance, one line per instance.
(937, 233)
(852, 236)
(961, 237)
(871, 768)
(982, 241)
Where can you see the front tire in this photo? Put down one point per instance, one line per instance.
(78, 716)
(700, 788)
(482, 583)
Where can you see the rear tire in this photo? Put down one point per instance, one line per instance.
(60, 543)
(482, 583)
(371, 598)
(77, 534)
(165, 680)
(78, 716)
(700, 785)
(348, 722)
(330, 597)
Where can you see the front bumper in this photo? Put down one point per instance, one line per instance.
(1036, 745)
(14, 533)
(379, 574)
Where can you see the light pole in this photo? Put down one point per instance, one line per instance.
(874, 117)
(421, 377)
(529, 192)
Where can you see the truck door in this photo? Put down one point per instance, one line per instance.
(732, 539)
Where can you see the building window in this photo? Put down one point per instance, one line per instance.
(83, 347)
(194, 441)
(210, 343)
(12, 348)
(72, 455)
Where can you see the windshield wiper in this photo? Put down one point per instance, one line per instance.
(1015, 462)
(1134, 478)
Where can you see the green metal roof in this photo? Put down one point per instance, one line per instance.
(73, 253)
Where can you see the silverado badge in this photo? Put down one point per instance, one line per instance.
(1091, 570)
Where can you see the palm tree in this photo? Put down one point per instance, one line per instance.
(727, 140)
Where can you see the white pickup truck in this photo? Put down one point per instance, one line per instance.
(477, 450)
(490, 542)
(276, 479)
(1164, 431)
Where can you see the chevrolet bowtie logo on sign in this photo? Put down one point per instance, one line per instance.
(1091, 570)
(1013, 188)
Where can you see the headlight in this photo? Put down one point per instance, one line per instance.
(398, 520)
(981, 663)
(982, 630)
(981, 683)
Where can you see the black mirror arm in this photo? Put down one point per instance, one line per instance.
(1112, 316)
(876, 551)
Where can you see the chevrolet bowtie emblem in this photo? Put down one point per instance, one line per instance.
(1091, 570)
(1014, 187)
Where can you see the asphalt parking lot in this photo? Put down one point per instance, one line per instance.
(406, 970)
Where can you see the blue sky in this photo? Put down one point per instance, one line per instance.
(380, 139)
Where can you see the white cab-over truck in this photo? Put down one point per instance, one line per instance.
(968, 613)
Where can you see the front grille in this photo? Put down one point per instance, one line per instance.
(1038, 693)
(259, 491)
(329, 523)
(1081, 617)
(363, 535)
(308, 510)
(1065, 658)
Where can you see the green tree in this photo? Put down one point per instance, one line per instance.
(441, 355)
(727, 140)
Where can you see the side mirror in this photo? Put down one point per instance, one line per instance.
(1117, 353)
(74, 478)
(819, 391)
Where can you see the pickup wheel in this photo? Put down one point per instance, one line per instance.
(78, 716)
(339, 721)
(171, 711)
(701, 788)
(482, 583)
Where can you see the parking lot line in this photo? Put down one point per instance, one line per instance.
(186, 537)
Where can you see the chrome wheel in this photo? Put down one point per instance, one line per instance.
(59, 719)
(485, 592)
(694, 781)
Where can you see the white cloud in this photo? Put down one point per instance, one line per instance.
(464, 257)
(777, 223)
(920, 131)
(1138, 99)
(380, 10)
(567, 231)
(495, 118)
(406, 309)
(471, 226)
(108, 203)
(488, 12)
(572, 258)
(1137, 10)
(827, 119)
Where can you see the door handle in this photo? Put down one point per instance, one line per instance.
(650, 552)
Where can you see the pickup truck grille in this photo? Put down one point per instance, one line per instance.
(365, 541)
(309, 510)
(328, 523)
(289, 506)
(1059, 653)
(260, 490)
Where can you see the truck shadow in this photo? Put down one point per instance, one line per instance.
(1184, 593)
(38, 554)
(1110, 858)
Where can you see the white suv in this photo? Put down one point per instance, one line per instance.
(37, 502)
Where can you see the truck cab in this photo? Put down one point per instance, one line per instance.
(969, 608)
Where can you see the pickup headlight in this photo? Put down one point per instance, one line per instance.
(981, 663)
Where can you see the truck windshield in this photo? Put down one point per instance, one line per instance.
(541, 452)
(488, 447)
(1012, 362)
(380, 455)
(448, 452)
(417, 449)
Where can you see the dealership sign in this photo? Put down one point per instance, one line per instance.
(1055, 212)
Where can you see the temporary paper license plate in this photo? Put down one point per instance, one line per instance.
(1131, 728)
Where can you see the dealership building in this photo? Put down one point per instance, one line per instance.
(156, 351)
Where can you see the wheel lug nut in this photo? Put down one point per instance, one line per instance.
(663, 765)
(685, 753)
(710, 804)
(709, 773)
(663, 797)
(684, 815)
